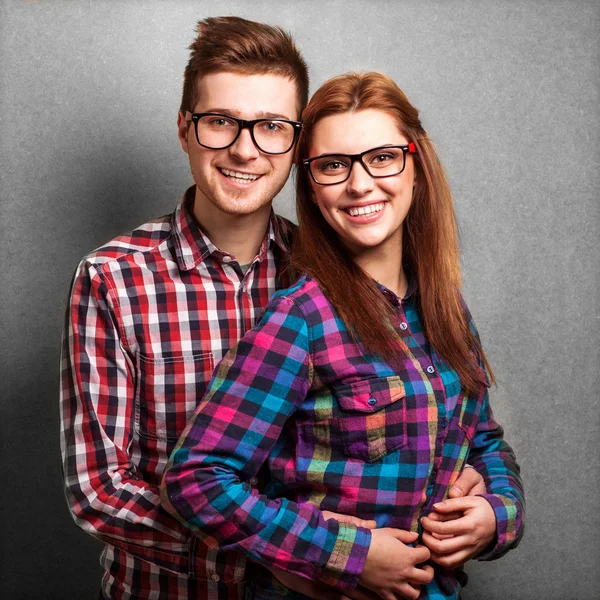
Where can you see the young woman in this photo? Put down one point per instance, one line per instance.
(363, 389)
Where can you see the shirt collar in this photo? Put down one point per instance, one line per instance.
(410, 290)
(193, 246)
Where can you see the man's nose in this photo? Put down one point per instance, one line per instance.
(243, 148)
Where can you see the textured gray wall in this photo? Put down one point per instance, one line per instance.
(509, 91)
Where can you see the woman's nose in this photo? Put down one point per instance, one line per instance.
(360, 181)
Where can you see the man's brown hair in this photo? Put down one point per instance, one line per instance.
(236, 45)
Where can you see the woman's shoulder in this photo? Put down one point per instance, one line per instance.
(306, 293)
(304, 288)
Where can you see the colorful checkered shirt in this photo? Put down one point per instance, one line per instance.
(339, 430)
(150, 314)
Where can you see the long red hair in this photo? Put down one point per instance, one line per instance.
(430, 240)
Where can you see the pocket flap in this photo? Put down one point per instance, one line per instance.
(369, 395)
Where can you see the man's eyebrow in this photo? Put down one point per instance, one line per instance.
(236, 113)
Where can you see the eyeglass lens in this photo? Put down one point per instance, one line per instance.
(219, 131)
(381, 162)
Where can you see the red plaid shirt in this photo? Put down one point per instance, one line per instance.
(151, 313)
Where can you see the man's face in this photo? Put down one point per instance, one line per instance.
(239, 180)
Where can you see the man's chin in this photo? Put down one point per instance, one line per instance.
(243, 207)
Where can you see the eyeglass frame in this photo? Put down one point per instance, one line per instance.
(409, 148)
(244, 124)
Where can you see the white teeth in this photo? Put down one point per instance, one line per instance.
(365, 210)
(236, 176)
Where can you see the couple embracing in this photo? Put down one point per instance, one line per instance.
(254, 410)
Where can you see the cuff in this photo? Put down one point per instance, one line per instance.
(347, 558)
(506, 513)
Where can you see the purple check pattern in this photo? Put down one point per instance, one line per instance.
(339, 430)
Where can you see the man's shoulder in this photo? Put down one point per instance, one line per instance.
(144, 238)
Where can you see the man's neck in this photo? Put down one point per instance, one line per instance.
(238, 235)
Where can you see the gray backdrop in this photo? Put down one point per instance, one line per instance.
(509, 92)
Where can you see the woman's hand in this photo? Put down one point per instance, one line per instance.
(392, 569)
(469, 483)
(459, 529)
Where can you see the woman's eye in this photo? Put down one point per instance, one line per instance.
(333, 165)
(383, 158)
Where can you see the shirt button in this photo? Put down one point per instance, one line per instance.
(372, 401)
(226, 259)
(403, 326)
(444, 422)
(215, 577)
(430, 369)
(253, 480)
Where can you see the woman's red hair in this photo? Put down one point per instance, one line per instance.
(430, 240)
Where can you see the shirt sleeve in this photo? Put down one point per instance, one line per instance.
(495, 460)
(105, 493)
(256, 388)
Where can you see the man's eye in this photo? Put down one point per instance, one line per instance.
(221, 122)
(271, 126)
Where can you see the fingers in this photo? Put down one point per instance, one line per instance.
(452, 561)
(406, 537)
(440, 517)
(448, 545)
(465, 484)
(421, 575)
(409, 591)
(369, 524)
(421, 554)
(454, 527)
(457, 504)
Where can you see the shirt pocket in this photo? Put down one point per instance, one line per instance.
(168, 390)
(372, 417)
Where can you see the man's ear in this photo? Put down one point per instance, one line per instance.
(183, 128)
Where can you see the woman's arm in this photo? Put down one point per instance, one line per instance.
(207, 483)
(485, 526)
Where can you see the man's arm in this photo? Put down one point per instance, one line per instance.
(106, 495)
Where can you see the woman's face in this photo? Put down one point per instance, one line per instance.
(365, 212)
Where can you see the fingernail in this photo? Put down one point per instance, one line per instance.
(438, 505)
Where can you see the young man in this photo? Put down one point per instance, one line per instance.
(153, 311)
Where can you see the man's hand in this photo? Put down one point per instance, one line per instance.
(370, 524)
(394, 569)
(470, 483)
(459, 529)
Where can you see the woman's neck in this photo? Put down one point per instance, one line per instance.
(384, 265)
